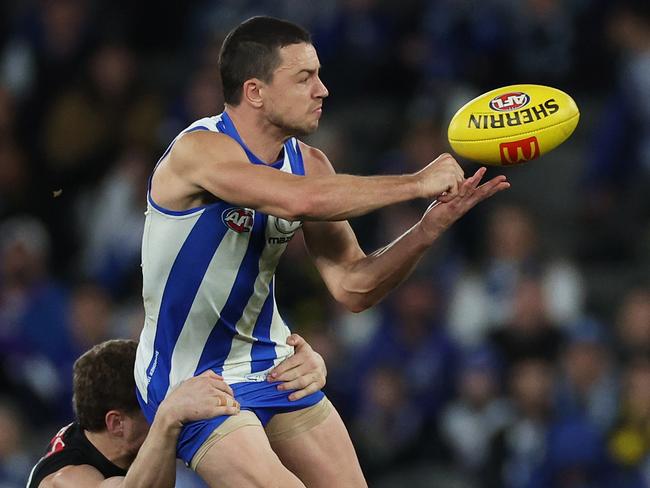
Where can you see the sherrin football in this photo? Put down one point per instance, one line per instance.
(513, 124)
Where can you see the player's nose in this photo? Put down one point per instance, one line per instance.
(321, 89)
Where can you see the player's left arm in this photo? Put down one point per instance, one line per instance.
(359, 281)
(200, 397)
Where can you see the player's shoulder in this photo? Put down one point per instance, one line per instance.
(72, 476)
(201, 144)
(315, 160)
(56, 463)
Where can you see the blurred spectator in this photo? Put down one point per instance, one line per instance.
(486, 298)
(574, 458)
(471, 421)
(86, 128)
(617, 174)
(15, 463)
(109, 106)
(410, 358)
(589, 387)
(516, 451)
(629, 442)
(43, 326)
(543, 27)
(7, 114)
(111, 219)
(14, 178)
(413, 338)
(357, 33)
(419, 144)
(32, 312)
(46, 49)
(468, 40)
(541, 447)
(202, 97)
(529, 333)
(633, 324)
(89, 316)
(389, 420)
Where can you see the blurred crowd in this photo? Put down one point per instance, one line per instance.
(516, 356)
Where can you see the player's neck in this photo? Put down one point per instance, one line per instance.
(261, 137)
(111, 448)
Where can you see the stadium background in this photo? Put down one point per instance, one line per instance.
(518, 353)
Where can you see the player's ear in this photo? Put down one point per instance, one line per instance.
(114, 423)
(252, 92)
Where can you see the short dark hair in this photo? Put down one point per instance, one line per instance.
(102, 380)
(251, 50)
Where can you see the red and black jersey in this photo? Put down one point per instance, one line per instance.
(71, 447)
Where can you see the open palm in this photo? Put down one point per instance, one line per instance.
(442, 213)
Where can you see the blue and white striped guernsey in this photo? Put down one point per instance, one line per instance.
(208, 286)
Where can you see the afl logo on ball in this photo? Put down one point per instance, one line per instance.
(509, 101)
(238, 219)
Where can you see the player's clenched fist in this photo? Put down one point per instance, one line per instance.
(441, 178)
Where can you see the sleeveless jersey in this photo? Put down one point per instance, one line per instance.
(71, 447)
(208, 286)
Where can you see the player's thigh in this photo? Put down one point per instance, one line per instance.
(322, 456)
(244, 459)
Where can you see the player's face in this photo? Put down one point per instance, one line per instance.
(293, 99)
(136, 429)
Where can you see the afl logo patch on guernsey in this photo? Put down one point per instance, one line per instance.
(509, 101)
(238, 219)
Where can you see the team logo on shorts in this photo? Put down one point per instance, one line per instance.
(238, 219)
(509, 101)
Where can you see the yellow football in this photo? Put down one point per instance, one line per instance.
(513, 124)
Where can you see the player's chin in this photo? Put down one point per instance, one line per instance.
(306, 129)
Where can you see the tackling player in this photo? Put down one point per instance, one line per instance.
(110, 444)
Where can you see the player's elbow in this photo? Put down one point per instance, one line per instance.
(298, 207)
(355, 302)
(311, 204)
(356, 292)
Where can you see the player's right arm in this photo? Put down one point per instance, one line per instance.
(201, 397)
(207, 161)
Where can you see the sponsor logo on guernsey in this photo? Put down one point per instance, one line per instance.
(286, 228)
(509, 101)
(238, 219)
(519, 151)
(279, 240)
(512, 119)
